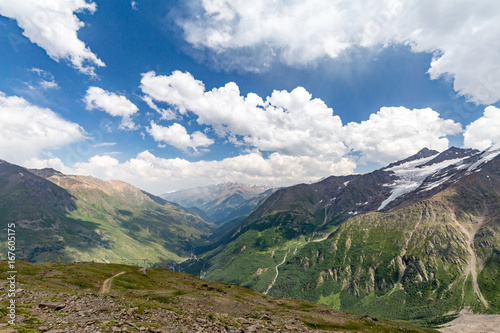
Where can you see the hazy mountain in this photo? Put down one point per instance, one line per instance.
(68, 217)
(416, 240)
(222, 202)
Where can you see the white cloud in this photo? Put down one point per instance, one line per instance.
(160, 175)
(111, 103)
(177, 136)
(485, 131)
(395, 132)
(462, 34)
(166, 114)
(53, 26)
(54, 163)
(48, 84)
(295, 124)
(177, 89)
(291, 123)
(46, 80)
(27, 130)
(104, 144)
(134, 5)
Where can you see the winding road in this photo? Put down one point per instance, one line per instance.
(277, 273)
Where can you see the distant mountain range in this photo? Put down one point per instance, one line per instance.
(222, 202)
(80, 218)
(417, 240)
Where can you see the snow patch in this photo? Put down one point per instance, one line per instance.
(488, 155)
(435, 184)
(412, 174)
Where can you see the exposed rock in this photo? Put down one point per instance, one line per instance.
(51, 306)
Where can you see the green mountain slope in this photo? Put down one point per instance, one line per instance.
(68, 218)
(430, 252)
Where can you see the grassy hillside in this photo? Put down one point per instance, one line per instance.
(416, 257)
(164, 301)
(75, 218)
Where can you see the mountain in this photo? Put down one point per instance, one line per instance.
(68, 218)
(222, 202)
(418, 240)
(91, 297)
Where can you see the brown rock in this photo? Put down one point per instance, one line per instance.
(51, 306)
(131, 311)
(265, 317)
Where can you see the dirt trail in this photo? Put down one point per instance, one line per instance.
(472, 266)
(106, 286)
(277, 272)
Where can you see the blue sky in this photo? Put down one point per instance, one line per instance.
(174, 94)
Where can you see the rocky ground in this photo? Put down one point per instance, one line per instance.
(60, 312)
(472, 323)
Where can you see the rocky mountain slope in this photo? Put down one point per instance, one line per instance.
(71, 298)
(222, 202)
(68, 218)
(417, 240)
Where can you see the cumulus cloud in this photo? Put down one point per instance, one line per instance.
(485, 131)
(462, 35)
(295, 124)
(53, 26)
(27, 130)
(290, 123)
(111, 103)
(177, 136)
(395, 132)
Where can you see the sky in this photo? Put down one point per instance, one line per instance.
(168, 95)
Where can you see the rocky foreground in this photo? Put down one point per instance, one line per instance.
(107, 313)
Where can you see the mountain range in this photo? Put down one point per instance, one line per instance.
(222, 202)
(417, 240)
